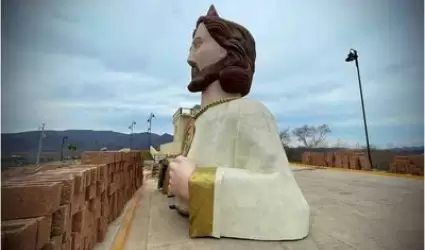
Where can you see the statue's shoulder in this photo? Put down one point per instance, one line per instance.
(249, 106)
(251, 115)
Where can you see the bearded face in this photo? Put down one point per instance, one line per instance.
(221, 50)
(205, 59)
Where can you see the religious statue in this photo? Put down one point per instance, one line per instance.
(233, 178)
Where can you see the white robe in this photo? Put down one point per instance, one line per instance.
(254, 194)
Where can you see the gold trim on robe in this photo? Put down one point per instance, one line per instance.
(201, 201)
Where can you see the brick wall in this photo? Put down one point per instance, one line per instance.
(412, 164)
(342, 159)
(69, 206)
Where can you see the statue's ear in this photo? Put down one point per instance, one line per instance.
(212, 11)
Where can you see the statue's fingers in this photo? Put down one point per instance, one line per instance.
(173, 165)
(180, 158)
(169, 189)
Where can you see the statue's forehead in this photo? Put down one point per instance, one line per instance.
(202, 32)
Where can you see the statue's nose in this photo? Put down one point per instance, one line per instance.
(191, 62)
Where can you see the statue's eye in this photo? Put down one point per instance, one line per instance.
(197, 42)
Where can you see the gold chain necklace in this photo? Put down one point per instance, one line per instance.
(206, 107)
(190, 132)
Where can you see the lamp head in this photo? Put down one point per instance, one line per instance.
(352, 56)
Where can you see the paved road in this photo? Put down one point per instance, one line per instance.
(349, 211)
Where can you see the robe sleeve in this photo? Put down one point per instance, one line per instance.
(245, 198)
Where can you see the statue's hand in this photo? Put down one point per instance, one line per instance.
(181, 168)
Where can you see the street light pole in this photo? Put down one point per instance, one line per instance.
(64, 138)
(131, 127)
(353, 56)
(40, 143)
(151, 116)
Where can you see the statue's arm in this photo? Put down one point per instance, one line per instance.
(233, 200)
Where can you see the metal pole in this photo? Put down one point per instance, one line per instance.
(363, 111)
(151, 116)
(131, 132)
(63, 143)
(131, 136)
(40, 144)
(150, 133)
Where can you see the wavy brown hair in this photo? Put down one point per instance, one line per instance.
(234, 72)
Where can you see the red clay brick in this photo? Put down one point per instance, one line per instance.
(89, 217)
(95, 174)
(15, 182)
(67, 180)
(86, 242)
(19, 234)
(100, 187)
(67, 245)
(43, 231)
(90, 239)
(101, 230)
(78, 203)
(112, 207)
(67, 235)
(113, 187)
(104, 211)
(96, 157)
(103, 174)
(55, 243)
(30, 200)
(21, 230)
(95, 207)
(78, 174)
(77, 241)
(60, 220)
(91, 192)
(79, 220)
(84, 172)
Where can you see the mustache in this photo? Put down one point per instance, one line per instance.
(195, 71)
(210, 71)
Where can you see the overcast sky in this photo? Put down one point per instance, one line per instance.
(100, 64)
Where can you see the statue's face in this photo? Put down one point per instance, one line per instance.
(204, 51)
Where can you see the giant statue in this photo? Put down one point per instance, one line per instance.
(233, 178)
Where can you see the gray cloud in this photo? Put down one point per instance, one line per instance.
(95, 62)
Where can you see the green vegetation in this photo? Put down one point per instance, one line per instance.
(146, 155)
(72, 147)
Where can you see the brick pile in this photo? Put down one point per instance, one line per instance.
(339, 159)
(412, 164)
(68, 207)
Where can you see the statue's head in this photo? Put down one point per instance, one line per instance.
(221, 50)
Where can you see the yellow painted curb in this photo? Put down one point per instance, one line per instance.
(381, 173)
(121, 236)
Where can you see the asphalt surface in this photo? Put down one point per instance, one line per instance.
(349, 211)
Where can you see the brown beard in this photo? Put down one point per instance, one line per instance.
(201, 79)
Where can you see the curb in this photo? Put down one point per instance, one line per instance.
(121, 236)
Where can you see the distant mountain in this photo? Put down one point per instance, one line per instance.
(419, 150)
(83, 139)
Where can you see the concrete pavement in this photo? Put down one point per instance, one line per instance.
(349, 211)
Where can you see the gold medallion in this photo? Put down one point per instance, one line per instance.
(188, 138)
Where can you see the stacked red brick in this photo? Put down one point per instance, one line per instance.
(412, 164)
(341, 159)
(68, 207)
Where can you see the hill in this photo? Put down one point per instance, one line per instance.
(84, 140)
